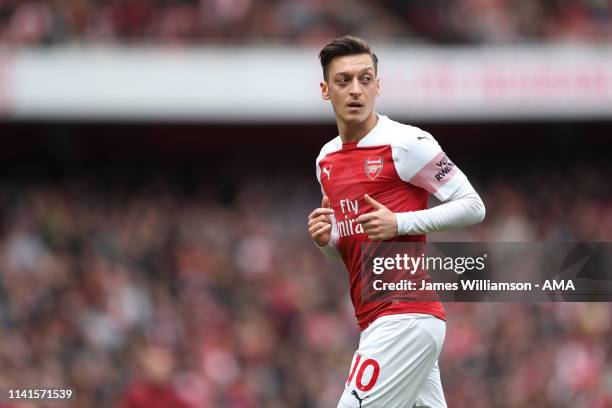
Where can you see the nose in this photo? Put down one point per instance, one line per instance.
(355, 88)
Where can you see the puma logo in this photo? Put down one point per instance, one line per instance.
(327, 171)
(354, 394)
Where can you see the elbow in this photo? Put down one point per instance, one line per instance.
(475, 210)
(479, 210)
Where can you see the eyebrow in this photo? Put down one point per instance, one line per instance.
(363, 71)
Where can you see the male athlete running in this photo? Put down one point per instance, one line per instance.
(376, 177)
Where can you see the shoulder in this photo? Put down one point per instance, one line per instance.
(408, 137)
(330, 147)
(399, 136)
(412, 148)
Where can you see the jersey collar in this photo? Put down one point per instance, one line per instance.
(375, 129)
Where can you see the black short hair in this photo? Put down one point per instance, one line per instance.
(346, 45)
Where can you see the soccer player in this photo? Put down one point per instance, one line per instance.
(376, 177)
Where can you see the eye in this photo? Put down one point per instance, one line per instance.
(366, 78)
(341, 80)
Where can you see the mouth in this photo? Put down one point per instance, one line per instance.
(355, 105)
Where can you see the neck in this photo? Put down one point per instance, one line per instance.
(354, 132)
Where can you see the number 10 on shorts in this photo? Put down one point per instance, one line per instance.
(373, 370)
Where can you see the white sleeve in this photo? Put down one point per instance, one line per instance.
(420, 161)
(463, 208)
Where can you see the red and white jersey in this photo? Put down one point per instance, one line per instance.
(397, 165)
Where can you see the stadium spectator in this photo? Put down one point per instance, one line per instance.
(238, 315)
(183, 22)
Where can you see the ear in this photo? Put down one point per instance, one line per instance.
(324, 90)
(377, 86)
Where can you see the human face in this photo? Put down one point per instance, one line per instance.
(352, 88)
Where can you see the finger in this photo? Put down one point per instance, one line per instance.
(320, 211)
(325, 203)
(373, 202)
(367, 227)
(317, 225)
(322, 218)
(365, 218)
(370, 229)
(321, 231)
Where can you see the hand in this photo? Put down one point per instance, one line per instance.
(381, 224)
(320, 224)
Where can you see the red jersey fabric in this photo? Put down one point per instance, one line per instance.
(398, 166)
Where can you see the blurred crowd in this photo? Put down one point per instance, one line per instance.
(144, 294)
(182, 22)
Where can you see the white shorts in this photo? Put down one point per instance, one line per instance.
(396, 364)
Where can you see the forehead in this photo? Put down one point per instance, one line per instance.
(351, 64)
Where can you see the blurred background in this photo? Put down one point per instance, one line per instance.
(157, 169)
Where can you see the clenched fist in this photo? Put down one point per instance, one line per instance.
(320, 224)
(380, 224)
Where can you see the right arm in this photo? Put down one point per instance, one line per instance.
(321, 228)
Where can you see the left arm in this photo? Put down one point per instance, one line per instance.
(463, 208)
(421, 162)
